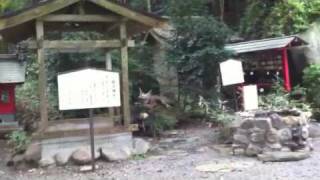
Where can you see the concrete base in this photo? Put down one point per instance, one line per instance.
(50, 147)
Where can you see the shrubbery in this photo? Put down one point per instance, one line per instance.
(311, 81)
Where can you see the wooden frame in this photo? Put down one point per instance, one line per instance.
(79, 44)
(20, 26)
(80, 18)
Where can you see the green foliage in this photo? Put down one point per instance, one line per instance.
(196, 49)
(275, 18)
(279, 98)
(311, 81)
(138, 157)
(11, 5)
(19, 141)
(214, 111)
(161, 120)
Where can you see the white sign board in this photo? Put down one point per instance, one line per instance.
(231, 72)
(250, 97)
(89, 88)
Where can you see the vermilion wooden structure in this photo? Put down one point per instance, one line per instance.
(265, 58)
(7, 99)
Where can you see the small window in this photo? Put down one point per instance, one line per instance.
(5, 96)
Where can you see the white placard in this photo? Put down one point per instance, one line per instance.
(231, 72)
(89, 88)
(250, 97)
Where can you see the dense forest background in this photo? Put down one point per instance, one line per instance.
(201, 29)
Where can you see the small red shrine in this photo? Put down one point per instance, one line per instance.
(12, 72)
(267, 59)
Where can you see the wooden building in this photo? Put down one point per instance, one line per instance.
(115, 21)
(266, 59)
(12, 72)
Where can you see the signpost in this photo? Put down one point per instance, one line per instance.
(89, 89)
(231, 74)
(250, 97)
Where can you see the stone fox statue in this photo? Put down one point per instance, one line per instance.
(152, 101)
(144, 111)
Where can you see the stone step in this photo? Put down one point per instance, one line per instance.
(80, 127)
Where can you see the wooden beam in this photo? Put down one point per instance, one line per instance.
(80, 18)
(130, 14)
(34, 13)
(125, 75)
(109, 68)
(79, 44)
(42, 78)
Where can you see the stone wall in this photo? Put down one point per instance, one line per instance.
(272, 131)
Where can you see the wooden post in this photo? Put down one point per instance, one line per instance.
(109, 68)
(286, 70)
(42, 77)
(124, 75)
(149, 5)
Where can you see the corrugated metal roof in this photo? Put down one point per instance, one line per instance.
(264, 44)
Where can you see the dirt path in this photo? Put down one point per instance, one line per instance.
(177, 158)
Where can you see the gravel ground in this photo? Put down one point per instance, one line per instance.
(177, 158)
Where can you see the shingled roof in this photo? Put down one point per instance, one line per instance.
(15, 26)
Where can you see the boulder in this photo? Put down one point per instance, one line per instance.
(247, 124)
(240, 139)
(277, 122)
(283, 156)
(81, 156)
(61, 158)
(140, 146)
(115, 154)
(257, 136)
(314, 130)
(33, 153)
(43, 163)
(272, 136)
(17, 159)
(253, 150)
(285, 134)
(291, 120)
(263, 123)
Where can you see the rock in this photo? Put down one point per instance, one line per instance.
(248, 124)
(261, 114)
(240, 139)
(253, 150)
(46, 162)
(17, 159)
(283, 156)
(263, 123)
(285, 149)
(33, 153)
(285, 134)
(272, 136)
(61, 158)
(88, 168)
(257, 136)
(274, 146)
(81, 157)
(314, 130)
(140, 146)
(291, 120)
(276, 121)
(113, 154)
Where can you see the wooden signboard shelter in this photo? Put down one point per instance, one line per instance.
(116, 21)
